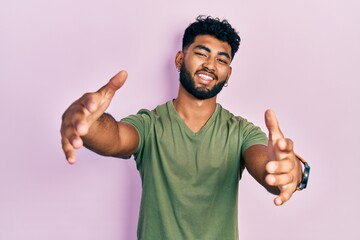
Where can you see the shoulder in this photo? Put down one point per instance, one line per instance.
(145, 115)
(241, 123)
(228, 116)
(162, 109)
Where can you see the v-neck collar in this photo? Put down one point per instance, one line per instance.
(183, 125)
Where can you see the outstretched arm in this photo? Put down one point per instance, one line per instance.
(276, 166)
(84, 123)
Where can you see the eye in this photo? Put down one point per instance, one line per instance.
(200, 54)
(222, 61)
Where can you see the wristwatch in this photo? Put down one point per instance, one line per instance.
(305, 174)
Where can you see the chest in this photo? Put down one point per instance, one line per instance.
(178, 152)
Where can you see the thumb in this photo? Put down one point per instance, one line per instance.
(97, 103)
(115, 83)
(272, 125)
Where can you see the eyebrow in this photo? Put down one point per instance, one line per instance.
(202, 47)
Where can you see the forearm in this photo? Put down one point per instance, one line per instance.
(103, 136)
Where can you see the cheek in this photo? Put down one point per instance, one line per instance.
(193, 65)
(225, 73)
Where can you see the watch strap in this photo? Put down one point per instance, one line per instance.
(305, 174)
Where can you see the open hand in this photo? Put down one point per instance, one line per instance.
(284, 169)
(80, 116)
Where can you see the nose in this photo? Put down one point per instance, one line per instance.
(210, 64)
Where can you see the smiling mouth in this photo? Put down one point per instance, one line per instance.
(205, 77)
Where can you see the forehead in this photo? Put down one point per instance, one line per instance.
(212, 43)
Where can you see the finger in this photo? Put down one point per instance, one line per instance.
(68, 131)
(281, 166)
(283, 197)
(79, 122)
(115, 83)
(279, 179)
(272, 125)
(91, 102)
(69, 128)
(285, 145)
(68, 151)
(70, 140)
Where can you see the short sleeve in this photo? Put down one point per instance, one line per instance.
(142, 122)
(252, 135)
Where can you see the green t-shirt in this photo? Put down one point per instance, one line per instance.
(190, 180)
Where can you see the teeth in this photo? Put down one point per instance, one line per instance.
(205, 77)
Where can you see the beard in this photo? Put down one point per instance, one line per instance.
(198, 92)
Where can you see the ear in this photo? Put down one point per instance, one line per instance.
(229, 74)
(179, 60)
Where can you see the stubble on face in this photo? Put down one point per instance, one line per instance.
(200, 93)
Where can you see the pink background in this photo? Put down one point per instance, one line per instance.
(299, 57)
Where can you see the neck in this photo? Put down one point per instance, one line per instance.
(194, 112)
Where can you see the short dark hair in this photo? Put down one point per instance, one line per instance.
(206, 25)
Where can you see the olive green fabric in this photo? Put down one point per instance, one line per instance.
(190, 180)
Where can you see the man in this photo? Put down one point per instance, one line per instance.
(190, 151)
